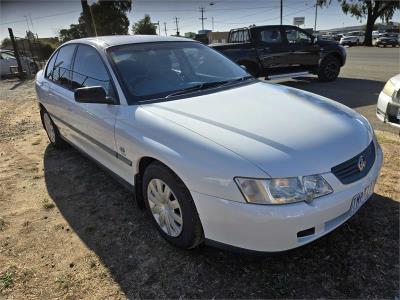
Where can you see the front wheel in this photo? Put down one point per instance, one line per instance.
(171, 207)
(52, 131)
(329, 69)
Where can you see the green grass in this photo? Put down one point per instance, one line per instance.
(48, 205)
(6, 280)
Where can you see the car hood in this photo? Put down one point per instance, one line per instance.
(281, 130)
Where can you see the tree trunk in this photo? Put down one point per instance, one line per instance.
(368, 31)
(87, 17)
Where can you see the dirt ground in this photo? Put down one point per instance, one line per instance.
(68, 230)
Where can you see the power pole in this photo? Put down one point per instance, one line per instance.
(165, 28)
(202, 10)
(16, 53)
(212, 22)
(177, 26)
(281, 10)
(27, 24)
(316, 10)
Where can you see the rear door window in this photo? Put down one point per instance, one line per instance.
(50, 67)
(62, 66)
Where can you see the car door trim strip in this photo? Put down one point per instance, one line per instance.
(92, 140)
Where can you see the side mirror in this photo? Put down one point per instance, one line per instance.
(314, 40)
(92, 94)
(243, 67)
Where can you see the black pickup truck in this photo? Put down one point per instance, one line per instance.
(283, 51)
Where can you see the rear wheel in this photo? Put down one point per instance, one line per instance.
(329, 69)
(171, 207)
(52, 131)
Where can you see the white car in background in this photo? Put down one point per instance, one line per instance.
(349, 41)
(388, 107)
(213, 153)
(9, 62)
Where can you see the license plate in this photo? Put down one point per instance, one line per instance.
(398, 114)
(360, 198)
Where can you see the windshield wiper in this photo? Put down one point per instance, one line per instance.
(197, 87)
(207, 85)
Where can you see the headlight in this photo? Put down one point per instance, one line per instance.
(388, 89)
(283, 190)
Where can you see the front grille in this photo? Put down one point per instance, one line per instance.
(392, 113)
(348, 171)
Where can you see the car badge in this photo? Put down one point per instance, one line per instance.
(362, 162)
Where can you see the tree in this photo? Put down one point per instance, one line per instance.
(109, 17)
(101, 18)
(144, 26)
(75, 31)
(372, 9)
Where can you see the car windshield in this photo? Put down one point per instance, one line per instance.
(161, 70)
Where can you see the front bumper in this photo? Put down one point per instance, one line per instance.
(270, 228)
(386, 110)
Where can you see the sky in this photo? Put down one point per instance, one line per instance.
(46, 18)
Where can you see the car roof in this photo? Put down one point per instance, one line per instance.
(115, 40)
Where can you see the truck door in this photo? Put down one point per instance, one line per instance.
(270, 47)
(303, 51)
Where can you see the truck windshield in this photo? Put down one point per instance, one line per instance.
(158, 70)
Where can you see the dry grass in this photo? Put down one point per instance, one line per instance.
(68, 230)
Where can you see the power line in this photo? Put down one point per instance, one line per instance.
(42, 17)
(266, 20)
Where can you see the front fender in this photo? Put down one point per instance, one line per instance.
(203, 165)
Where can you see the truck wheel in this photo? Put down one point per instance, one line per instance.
(329, 69)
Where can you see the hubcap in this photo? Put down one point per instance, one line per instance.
(165, 207)
(49, 128)
(331, 70)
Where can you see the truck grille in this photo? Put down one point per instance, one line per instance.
(349, 171)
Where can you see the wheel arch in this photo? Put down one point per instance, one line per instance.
(141, 167)
(335, 55)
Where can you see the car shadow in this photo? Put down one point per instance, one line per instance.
(351, 92)
(359, 259)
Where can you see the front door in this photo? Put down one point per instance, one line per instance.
(304, 53)
(271, 48)
(89, 70)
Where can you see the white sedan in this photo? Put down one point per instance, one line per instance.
(388, 107)
(212, 153)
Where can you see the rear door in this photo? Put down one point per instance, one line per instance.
(270, 47)
(65, 112)
(303, 52)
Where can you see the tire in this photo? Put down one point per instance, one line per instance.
(329, 69)
(52, 131)
(188, 233)
(34, 68)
